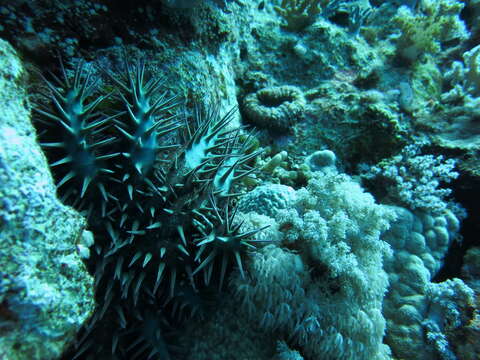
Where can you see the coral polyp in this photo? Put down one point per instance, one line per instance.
(159, 192)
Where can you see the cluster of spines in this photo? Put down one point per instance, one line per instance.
(167, 194)
(82, 156)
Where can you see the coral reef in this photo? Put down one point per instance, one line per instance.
(341, 97)
(450, 104)
(348, 120)
(332, 228)
(419, 242)
(413, 180)
(455, 123)
(425, 31)
(451, 313)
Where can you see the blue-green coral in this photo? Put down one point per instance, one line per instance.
(327, 256)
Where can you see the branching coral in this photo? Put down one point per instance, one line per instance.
(428, 30)
(164, 217)
(451, 310)
(298, 14)
(414, 180)
(464, 76)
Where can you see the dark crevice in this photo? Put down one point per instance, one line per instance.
(466, 191)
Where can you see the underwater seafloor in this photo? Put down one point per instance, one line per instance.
(239, 180)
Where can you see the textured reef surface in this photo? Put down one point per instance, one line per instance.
(240, 180)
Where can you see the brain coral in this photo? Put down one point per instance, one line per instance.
(275, 108)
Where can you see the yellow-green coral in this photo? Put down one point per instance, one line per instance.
(472, 71)
(425, 31)
(298, 14)
(427, 82)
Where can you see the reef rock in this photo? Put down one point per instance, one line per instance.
(46, 293)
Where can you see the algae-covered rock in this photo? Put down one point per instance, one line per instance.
(45, 291)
